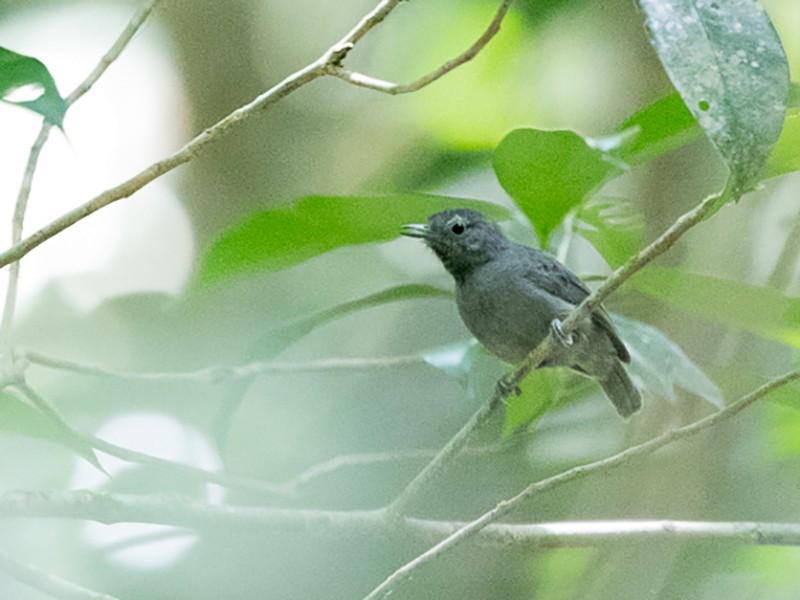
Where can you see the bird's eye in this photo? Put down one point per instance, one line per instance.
(457, 228)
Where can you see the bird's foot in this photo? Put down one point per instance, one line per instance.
(565, 339)
(505, 388)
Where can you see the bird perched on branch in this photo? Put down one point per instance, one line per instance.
(511, 296)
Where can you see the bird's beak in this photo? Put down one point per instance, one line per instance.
(415, 230)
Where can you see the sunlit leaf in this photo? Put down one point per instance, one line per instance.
(548, 173)
(726, 61)
(660, 367)
(539, 392)
(658, 128)
(785, 157)
(25, 81)
(760, 310)
(284, 236)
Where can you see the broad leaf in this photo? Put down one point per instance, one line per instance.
(276, 340)
(660, 367)
(284, 236)
(785, 157)
(761, 310)
(548, 173)
(726, 61)
(658, 128)
(25, 81)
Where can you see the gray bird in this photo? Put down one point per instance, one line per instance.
(511, 296)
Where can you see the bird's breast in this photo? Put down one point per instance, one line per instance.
(506, 312)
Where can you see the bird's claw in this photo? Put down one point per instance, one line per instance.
(565, 339)
(505, 388)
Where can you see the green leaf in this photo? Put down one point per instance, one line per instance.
(760, 310)
(548, 173)
(277, 340)
(613, 227)
(21, 418)
(19, 73)
(660, 366)
(539, 391)
(726, 61)
(278, 238)
(785, 157)
(660, 127)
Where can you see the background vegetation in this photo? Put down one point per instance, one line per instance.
(249, 346)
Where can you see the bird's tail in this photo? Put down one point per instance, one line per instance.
(620, 390)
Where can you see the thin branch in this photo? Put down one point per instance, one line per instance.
(92, 442)
(133, 26)
(203, 475)
(45, 582)
(508, 384)
(214, 375)
(109, 508)
(600, 466)
(387, 87)
(344, 461)
(9, 306)
(196, 146)
(17, 223)
(329, 64)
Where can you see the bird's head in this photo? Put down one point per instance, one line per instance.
(462, 239)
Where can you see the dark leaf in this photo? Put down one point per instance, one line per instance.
(726, 61)
(21, 74)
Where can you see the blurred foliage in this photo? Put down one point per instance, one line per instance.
(301, 263)
(279, 238)
(735, 80)
(26, 75)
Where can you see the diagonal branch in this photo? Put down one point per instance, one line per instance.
(328, 64)
(21, 207)
(387, 87)
(601, 466)
(45, 582)
(442, 460)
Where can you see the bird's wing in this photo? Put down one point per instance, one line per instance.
(554, 278)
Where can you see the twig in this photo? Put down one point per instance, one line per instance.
(92, 442)
(329, 64)
(203, 475)
(344, 461)
(213, 375)
(47, 583)
(109, 507)
(394, 89)
(604, 465)
(21, 207)
(508, 384)
(9, 306)
(133, 26)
